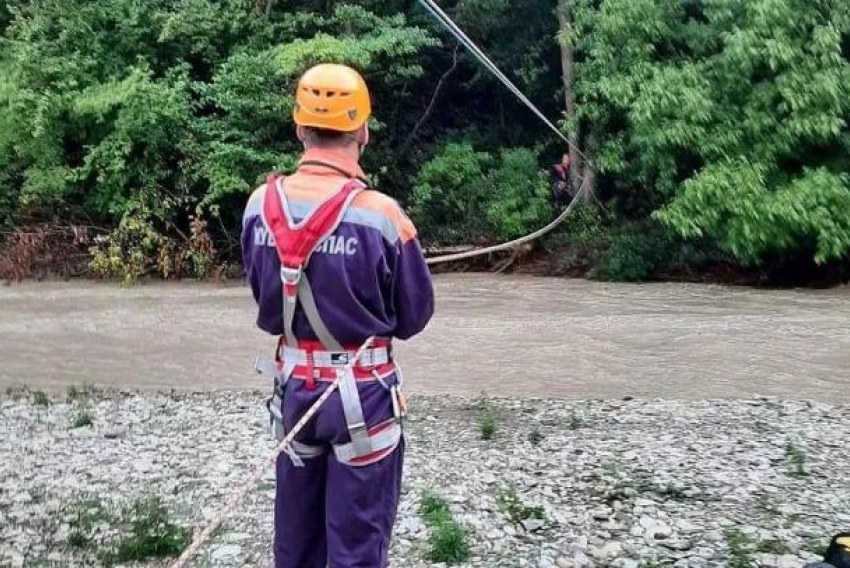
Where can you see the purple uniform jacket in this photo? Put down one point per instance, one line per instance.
(369, 278)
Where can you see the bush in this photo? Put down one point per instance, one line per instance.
(646, 250)
(40, 399)
(87, 515)
(512, 506)
(136, 249)
(433, 508)
(42, 249)
(462, 196)
(631, 256)
(449, 194)
(734, 204)
(130, 251)
(80, 418)
(152, 534)
(517, 199)
(488, 419)
(448, 541)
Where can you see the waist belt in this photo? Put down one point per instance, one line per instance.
(309, 361)
(370, 358)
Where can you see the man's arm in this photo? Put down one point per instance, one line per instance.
(251, 223)
(412, 290)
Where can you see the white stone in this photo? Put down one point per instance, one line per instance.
(789, 561)
(611, 550)
(532, 525)
(227, 552)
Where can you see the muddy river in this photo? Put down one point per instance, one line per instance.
(503, 335)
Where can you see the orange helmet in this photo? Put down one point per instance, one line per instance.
(333, 97)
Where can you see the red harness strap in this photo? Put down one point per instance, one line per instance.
(295, 244)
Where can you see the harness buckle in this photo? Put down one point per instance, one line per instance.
(291, 276)
(356, 429)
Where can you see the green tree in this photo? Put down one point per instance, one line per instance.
(727, 119)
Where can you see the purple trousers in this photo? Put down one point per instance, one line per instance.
(329, 514)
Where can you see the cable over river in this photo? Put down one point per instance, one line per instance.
(504, 335)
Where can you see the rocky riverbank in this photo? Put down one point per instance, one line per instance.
(557, 484)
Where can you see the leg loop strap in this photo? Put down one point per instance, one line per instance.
(382, 442)
(353, 410)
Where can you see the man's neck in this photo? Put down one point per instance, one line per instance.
(342, 158)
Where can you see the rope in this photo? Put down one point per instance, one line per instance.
(251, 482)
(434, 9)
(515, 243)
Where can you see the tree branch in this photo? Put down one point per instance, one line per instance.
(424, 118)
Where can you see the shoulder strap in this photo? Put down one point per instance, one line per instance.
(295, 244)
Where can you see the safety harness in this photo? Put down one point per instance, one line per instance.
(327, 359)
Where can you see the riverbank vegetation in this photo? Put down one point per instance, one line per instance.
(131, 133)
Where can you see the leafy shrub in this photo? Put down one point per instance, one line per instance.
(517, 198)
(734, 203)
(38, 250)
(152, 534)
(87, 514)
(641, 251)
(449, 543)
(136, 249)
(631, 256)
(512, 506)
(488, 419)
(462, 196)
(40, 399)
(130, 251)
(449, 193)
(80, 418)
(433, 508)
(448, 540)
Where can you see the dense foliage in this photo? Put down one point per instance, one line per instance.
(722, 119)
(717, 128)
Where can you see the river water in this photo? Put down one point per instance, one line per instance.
(503, 335)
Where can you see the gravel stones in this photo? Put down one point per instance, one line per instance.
(635, 482)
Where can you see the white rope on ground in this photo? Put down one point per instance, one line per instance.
(515, 243)
(238, 495)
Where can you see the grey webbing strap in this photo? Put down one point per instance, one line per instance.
(353, 410)
(348, 393)
(384, 440)
(311, 310)
(307, 450)
(299, 451)
(373, 357)
(288, 319)
(264, 366)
